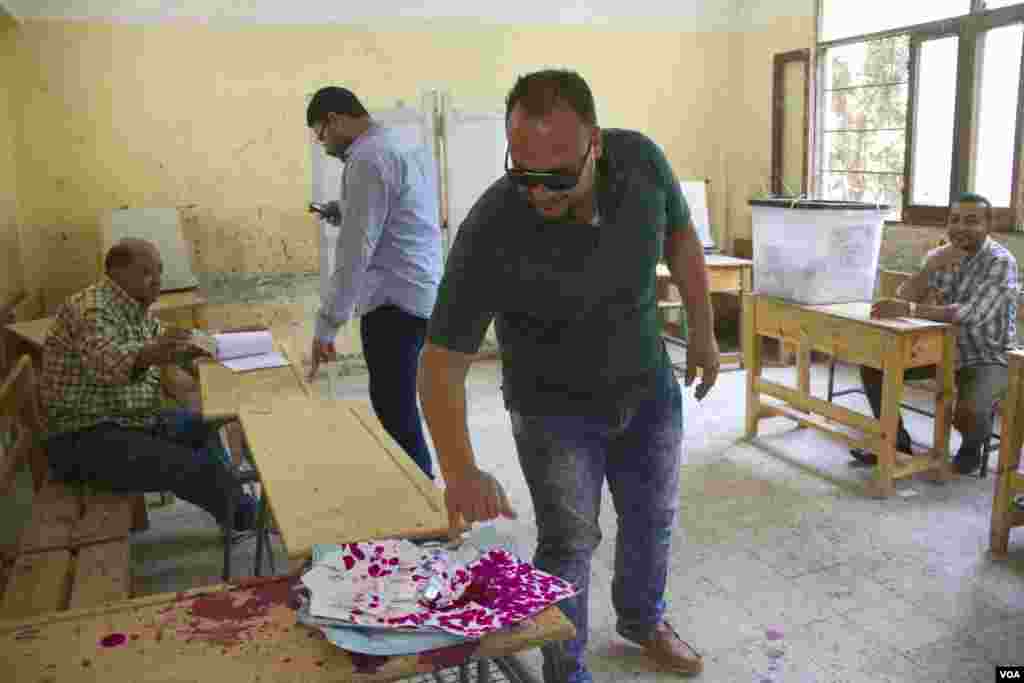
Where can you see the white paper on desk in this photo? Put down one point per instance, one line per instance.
(260, 362)
(240, 344)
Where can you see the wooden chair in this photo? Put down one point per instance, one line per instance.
(74, 550)
(1009, 484)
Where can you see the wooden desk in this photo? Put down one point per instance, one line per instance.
(1009, 481)
(331, 474)
(847, 332)
(726, 275)
(243, 634)
(224, 392)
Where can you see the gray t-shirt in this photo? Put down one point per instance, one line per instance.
(574, 304)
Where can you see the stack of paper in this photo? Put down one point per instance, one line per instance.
(241, 351)
(393, 597)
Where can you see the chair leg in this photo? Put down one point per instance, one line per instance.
(831, 378)
(262, 535)
(228, 528)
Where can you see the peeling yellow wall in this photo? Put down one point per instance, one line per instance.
(10, 250)
(212, 120)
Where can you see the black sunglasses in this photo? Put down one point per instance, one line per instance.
(551, 180)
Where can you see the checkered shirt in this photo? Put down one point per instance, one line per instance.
(985, 289)
(87, 372)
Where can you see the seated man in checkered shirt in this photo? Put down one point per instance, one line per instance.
(974, 280)
(101, 389)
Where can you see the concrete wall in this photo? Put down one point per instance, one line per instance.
(211, 118)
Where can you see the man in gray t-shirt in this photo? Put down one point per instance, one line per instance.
(561, 254)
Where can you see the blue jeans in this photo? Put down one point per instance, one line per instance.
(392, 341)
(565, 461)
(180, 453)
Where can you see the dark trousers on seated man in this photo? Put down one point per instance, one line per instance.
(180, 453)
(979, 388)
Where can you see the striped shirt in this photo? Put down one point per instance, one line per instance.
(87, 374)
(985, 289)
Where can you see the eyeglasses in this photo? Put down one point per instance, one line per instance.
(555, 181)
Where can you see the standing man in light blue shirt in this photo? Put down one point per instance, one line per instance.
(388, 263)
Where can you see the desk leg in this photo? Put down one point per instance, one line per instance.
(892, 394)
(752, 358)
(1009, 458)
(944, 407)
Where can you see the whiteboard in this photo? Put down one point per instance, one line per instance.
(695, 192)
(162, 227)
(475, 150)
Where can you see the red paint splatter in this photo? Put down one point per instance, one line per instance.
(114, 640)
(449, 656)
(366, 664)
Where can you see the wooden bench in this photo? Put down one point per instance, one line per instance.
(1009, 484)
(74, 551)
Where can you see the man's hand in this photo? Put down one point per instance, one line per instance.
(702, 353)
(890, 308)
(330, 212)
(943, 257)
(322, 352)
(476, 496)
(165, 349)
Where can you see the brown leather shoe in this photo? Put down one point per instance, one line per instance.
(672, 652)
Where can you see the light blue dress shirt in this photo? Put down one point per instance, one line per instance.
(389, 244)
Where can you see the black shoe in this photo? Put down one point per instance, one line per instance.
(967, 460)
(866, 457)
(246, 513)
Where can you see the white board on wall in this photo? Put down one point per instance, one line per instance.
(162, 227)
(696, 195)
(476, 158)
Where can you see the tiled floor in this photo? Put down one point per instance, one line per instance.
(864, 590)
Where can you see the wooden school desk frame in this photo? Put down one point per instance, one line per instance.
(847, 332)
(726, 275)
(1009, 481)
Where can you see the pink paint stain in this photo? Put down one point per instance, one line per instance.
(114, 640)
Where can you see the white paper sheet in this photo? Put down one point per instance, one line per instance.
(240, 344)
(259, 362)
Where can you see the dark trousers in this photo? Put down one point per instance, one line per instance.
(392, 341)
(182, 454)
(978, 388)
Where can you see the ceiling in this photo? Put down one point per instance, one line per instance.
(607, 12)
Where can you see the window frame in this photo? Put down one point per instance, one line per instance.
(969, 28)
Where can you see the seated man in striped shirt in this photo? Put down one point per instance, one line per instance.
(101, 389)
(974, 280)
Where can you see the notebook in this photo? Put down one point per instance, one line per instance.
(241, 351)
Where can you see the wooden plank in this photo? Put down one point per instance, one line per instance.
(812, 405)
(102, 574)
(925, 349)
(39, 583)
(172, 639)
(854, 342)
(892, 395)
(752, 359)
(1008, 482)
(337, 484)
(919, 463)
(108, 517)
(813, 421)
(55, 512)
(725, 279)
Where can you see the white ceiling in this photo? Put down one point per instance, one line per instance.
(698, 14)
